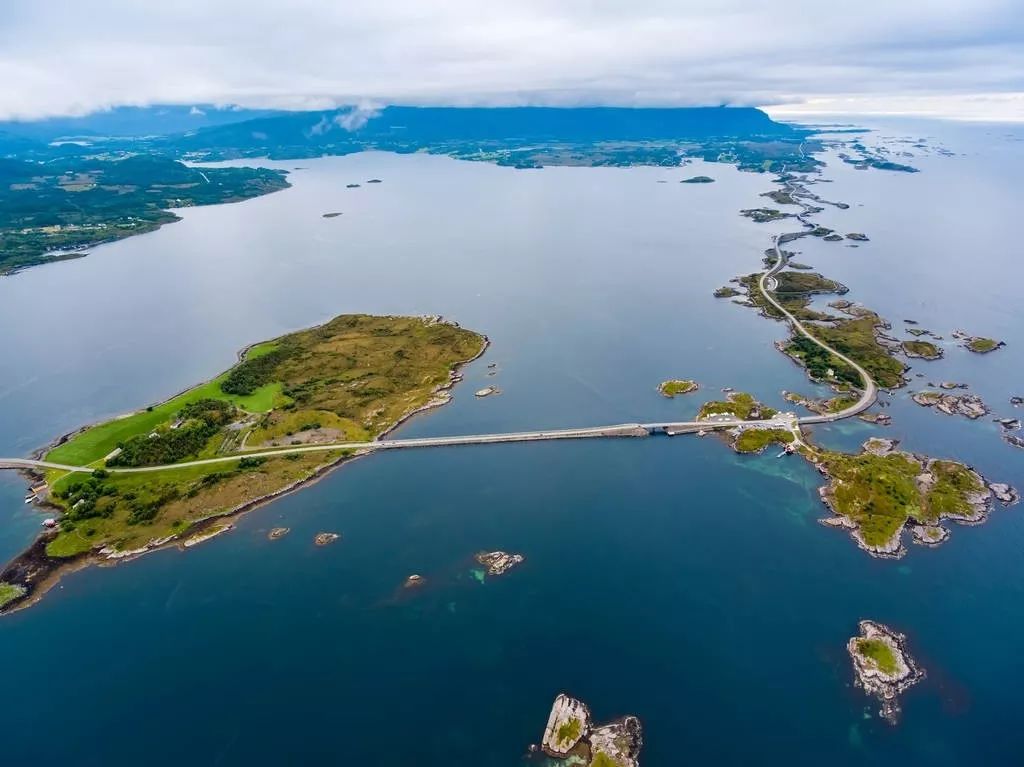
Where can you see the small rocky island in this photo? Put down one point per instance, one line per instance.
(698, 180)
(324, 539)
(676, 386)
(978, 344)
(332, 215)
(277, 533)
(764, 215)
(923, 350)
(882, 666)
(968, 405)
(726, 291)
(571, 736)
(857, 237)
(498, 562)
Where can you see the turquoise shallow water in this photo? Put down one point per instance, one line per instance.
(667, 578)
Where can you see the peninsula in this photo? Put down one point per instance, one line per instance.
(53, 210)
(349, 380)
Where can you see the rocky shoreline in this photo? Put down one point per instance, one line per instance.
(882, 666)
(570, 735)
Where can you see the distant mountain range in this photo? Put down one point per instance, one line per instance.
(443, 124)
(244, 131)
(130, 122)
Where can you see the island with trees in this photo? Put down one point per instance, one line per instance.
(153, 481)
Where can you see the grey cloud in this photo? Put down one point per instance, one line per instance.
(67, 56)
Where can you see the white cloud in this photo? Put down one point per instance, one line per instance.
(68, 56)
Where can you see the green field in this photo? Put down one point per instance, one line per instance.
(879, 653)
(98, 441)
(755, 440)
(9, 592)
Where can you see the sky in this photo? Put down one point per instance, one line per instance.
(949, 58)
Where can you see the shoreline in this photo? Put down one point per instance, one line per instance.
(34, 563)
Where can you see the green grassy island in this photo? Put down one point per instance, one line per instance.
(677, 386)
(882, 666)
(349, 380)
(924, 350)
(880, 492)
(981, 345)
(738, 405)
(756, 440)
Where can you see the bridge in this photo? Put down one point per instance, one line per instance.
(672, 428)
(766, 284)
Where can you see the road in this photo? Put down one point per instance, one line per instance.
(617, 430)
(766, 283)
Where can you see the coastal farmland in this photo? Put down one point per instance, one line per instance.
(350, 379)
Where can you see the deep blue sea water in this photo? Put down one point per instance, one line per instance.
(667, 578)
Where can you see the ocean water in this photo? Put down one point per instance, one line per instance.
(667, 578)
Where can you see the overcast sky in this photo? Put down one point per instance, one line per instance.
(956, 58)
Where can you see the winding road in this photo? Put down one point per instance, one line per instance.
(870, 390)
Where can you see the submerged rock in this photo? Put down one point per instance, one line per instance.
(413, 581)
(882, 666)
(499, 562)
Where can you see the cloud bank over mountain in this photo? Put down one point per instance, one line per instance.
(957, 58)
